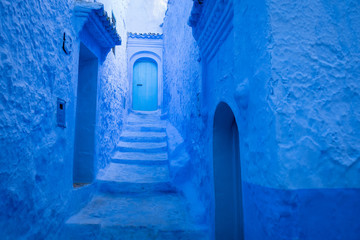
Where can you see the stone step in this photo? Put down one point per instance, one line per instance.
(144, 116)
(139, 121)
(125, 178)
(143, 127)
(140, 158)
(128, 136)
(133, 217)
(117, 187)
(145, 113)
(146, 147)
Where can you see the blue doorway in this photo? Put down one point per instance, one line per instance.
(84, 149)
(145, 85)
(229, 223)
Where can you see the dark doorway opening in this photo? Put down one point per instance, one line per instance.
(84, 149)
(227, 175)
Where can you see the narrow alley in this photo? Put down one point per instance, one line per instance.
(179, 120)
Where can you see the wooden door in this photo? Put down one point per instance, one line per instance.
(145, 85)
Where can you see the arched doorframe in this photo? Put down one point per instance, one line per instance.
(228, 200)
(146, 54)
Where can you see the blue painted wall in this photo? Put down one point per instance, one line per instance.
(36, 157)
(304, 185)
(316, 96)
(288, 71)
(301, 214)
(182, 102)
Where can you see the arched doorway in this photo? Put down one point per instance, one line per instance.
(227, 175)
(145, 85)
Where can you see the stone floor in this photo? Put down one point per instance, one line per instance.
(135, 199)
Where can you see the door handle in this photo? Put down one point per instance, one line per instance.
(139, 84)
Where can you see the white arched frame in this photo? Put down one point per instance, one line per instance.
(146, 54)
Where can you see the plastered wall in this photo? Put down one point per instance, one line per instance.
(182, 103)
(36, 155)
(287, 71)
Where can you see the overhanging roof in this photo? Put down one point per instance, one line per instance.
(93, 16)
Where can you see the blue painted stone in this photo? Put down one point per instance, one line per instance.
(301, 214)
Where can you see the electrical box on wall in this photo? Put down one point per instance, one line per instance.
(60, 113)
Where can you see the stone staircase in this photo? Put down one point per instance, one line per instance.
(135, 199)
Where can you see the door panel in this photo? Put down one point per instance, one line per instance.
(145, 85)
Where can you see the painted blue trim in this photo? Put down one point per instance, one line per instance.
(145, 35)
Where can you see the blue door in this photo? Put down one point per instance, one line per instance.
(145, 85)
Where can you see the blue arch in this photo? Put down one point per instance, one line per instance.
(227, 175)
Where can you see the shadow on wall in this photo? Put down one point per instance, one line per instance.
(85, 117)
(181, 170)
(227, 175)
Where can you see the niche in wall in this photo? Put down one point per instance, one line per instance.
(84, 149)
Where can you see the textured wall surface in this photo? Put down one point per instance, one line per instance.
(272, 213)
(316, 94)
(313, 95)
(182, 86)
(252, 72)
(114, 93)
(36, 156)
(288, 71)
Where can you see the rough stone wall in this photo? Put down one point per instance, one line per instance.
(182, 86)
(114, 88)
(316, 92)
(36, 156)
(288, 72)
